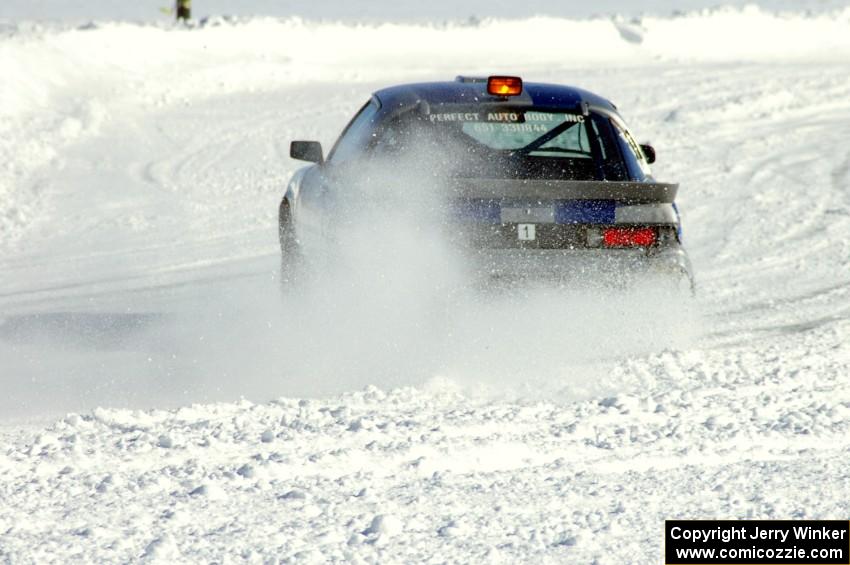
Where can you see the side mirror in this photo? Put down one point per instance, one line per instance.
(649, 153)
(307, 151)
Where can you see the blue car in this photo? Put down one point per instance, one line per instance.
(535, 180)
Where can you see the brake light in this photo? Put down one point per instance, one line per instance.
(504, 86)
(629, 237)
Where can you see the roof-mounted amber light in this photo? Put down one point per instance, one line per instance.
(504, 86)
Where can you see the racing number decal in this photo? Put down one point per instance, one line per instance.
(526, 232)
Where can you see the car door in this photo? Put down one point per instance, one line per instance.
(321, 184)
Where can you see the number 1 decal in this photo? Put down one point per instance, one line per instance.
(526, 232)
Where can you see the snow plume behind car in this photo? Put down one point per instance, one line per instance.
(391, 302)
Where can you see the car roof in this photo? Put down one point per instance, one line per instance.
(474, 91)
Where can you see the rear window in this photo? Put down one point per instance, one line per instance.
(540, 133)
(518, 143)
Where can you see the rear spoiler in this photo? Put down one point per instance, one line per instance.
(632, 192)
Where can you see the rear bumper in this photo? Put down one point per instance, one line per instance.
(615, 266)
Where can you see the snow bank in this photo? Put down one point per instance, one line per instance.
(269, 52)
(499, 44)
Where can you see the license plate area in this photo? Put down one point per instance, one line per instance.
(531, 214)
(505, 236)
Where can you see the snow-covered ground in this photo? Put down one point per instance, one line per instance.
(140, 170)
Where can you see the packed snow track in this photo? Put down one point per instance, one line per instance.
(161, 401)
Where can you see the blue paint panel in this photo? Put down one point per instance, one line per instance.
(479, 210)
(585, 212)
